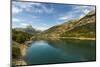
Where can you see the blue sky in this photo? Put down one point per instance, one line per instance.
(43, 16)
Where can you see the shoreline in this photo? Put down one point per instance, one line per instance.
(80, 38)
(23, 48)
(76, 38)
(21, 61)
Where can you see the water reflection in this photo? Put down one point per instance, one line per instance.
(57, 51)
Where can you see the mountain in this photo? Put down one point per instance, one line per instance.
(29, 29)
(84, 27)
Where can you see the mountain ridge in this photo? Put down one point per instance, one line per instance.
(84, 27)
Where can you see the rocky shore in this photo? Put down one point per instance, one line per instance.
(23, 48)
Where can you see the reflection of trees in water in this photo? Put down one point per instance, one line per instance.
(73, 43)
(80, 48)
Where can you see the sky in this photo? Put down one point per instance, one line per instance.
(45, 15)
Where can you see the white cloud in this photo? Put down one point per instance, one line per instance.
(15, 20)
(82, 15)
(26, 5)
(16, 9)
(36, 10)
(16, 26)
(88, 9)
(45, 24)
(76, 13)
(84, 9)
(41, 9)
(24, 24)
(18, 23)
(21, 6)
(31, 7)
(47, 10)
(63, 18)
(41, 28)
(66, 17)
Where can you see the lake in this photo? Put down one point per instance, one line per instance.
(60, 51)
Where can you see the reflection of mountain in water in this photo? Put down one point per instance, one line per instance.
(60, 51)
(84, 48)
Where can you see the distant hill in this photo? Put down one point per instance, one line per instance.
(29, 29)
(84, 27)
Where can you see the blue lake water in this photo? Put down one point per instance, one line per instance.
(60, 51)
